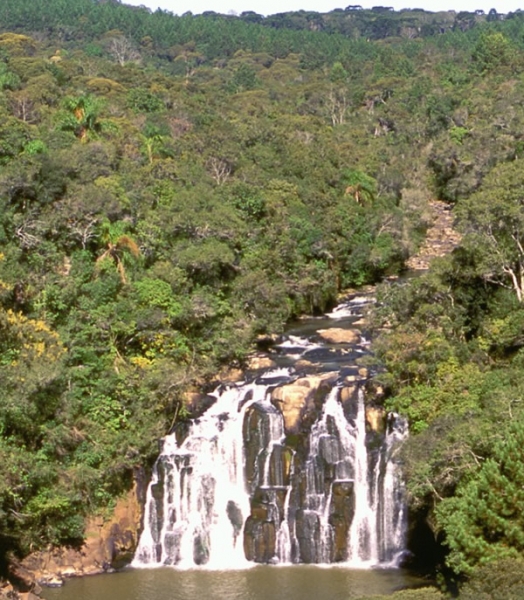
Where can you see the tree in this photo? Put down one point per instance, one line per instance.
(493, 51)
(82, 116)
(493, 221)
(360, 186)
(122, 50)
(117, 245)
(485, 520)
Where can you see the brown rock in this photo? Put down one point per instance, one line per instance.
(347, 393)
(256, 363)
(304, 364)
(7, 591)
(360, 323)
(297, 400)
(109, 543)
(376, 418)
(230, 375)
(337, 335)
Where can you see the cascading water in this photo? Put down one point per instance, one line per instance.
(197, 500)
(285, 470)
(363, 532)
(377, 534)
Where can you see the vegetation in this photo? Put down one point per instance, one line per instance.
(427, 593)
(173, 187)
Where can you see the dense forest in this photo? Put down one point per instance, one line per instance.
(173, 189)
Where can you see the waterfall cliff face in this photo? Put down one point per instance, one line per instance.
(285, 469)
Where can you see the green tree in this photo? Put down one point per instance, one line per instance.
(81, 116)
(360, 186)
(118, 244)
(485, 520)
(493, 222)
(493, 51)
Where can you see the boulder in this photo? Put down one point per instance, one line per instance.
(230, 375)
(376, 418)
(197, 403)
(304, 365)
(299, 401)
(257, 363)
(337, 335)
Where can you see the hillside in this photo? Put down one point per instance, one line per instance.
(172, 188)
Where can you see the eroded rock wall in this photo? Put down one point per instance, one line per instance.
(110, 542)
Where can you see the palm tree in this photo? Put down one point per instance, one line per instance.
(81, 116)
(117, 245)
(360, 186)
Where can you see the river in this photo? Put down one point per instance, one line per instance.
(262, 582)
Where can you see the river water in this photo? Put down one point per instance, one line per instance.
(261, 582)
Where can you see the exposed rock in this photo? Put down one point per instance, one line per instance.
(256, 363)
(109, 544)
(304, 364)
(265, 341)
(376, 418)
(25, 587)
(440, 240)
(230, 375)
(308, 535)
(337, 335)
(259, 540)
(298, 400)
(348, 394)
(257, 434)
(360, 323)
(7, 591)
(197, 403)
(342, 510)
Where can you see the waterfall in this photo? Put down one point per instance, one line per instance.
(391, 504)
(197, 500)
(267, 477)
(233, 480)
(377, 534)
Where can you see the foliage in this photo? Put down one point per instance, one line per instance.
(500, 580)
(483, 521)
(172, 187)
(454, 368)
(493, 219)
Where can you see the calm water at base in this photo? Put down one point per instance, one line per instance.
(298, 582)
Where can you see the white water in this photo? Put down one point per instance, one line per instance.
(198, 516)
(377, 534)
(318, 499)
(297, 347)
(393, 516)
(363, 548)
(351, 308)
(204, 496)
